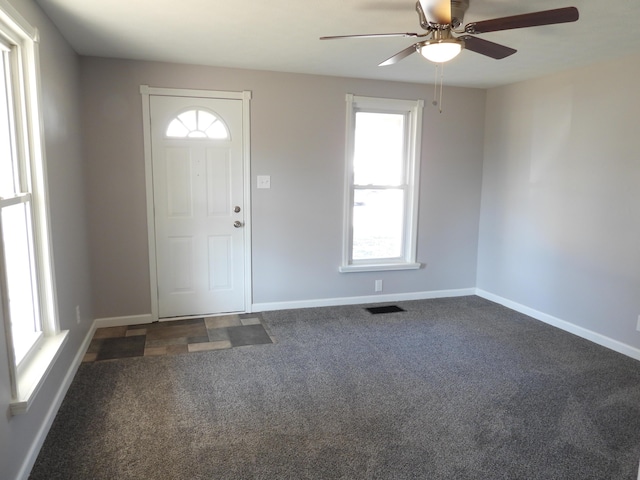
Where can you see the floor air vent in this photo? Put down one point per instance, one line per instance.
(385, 309)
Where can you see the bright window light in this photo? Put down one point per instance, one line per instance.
(197, 124)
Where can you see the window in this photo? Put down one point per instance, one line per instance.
(197, 124)
(27, 305)
(383, 159)
(16, 227)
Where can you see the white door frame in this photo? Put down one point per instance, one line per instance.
(146, 91)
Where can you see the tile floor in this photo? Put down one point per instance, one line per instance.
(177, 336)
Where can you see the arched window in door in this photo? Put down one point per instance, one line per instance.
(197, 124)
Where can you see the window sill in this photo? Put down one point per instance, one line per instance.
(33, 374)
(382, 267)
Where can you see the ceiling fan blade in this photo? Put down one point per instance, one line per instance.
(535, 19)
(400, 55)
(374, 35)
(485, 47)
(437, 11)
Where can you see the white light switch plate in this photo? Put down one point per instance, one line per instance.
(264, 181)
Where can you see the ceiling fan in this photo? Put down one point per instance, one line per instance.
(441, 18)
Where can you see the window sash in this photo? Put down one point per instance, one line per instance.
(373, 221)
(387, 145)
(19, 273)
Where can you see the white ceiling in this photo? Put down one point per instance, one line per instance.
(282, 35)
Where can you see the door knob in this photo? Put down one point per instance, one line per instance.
(237, 224)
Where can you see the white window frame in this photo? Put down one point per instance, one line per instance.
(29, 374)
(412, 109)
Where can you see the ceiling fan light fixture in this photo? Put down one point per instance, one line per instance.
(441, 51)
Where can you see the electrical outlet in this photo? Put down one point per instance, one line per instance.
(378, 287)
(78, 318)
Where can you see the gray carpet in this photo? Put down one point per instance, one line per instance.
(456, 388)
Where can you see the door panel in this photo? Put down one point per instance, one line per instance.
(220, 255)
(198, 183)
(180, 253)
(178, 182)
(218, 182)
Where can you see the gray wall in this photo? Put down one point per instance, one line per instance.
(560, 222)
(60, 101)
(297, 137)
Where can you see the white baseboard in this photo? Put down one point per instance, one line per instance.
(123, 321)
(290, 305)
(34, 450)
(333, 302)
(587, 334)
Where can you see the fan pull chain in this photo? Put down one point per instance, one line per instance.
(437, 102)
(435, 87)
(441, 82)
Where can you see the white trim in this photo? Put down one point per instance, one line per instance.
(18, 199)
(124, 321)
(246, 167)
(347, 230)
(333, 302)
(383, 267)
(13, 19)
(32, 454)
(32, 375)
(148, 176)
(146, 91)
(582, 332)
(415, 155)
(183, 92)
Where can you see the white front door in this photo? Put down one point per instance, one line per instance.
(199, 211)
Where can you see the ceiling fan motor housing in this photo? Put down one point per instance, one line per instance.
(458, 9)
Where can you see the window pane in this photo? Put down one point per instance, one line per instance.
(197, 124)
(20, 270)
(379, 149)
(177, 129)
(205, 119)
(217, 131)
(190, 119)
(378, 224)
(7, 165)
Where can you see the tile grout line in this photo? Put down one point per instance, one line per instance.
(173, 337)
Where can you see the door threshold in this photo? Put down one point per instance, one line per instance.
(204, 315)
